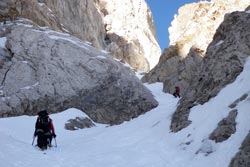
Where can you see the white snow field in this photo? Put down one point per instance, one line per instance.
(145, 141)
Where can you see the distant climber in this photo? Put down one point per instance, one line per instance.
(177, 92)
(44, 130)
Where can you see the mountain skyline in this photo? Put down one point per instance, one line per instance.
(163, 13)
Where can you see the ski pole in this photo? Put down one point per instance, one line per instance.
(55, 142)
(33, 140)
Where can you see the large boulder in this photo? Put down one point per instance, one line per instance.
(79, 123)
(55, 71)
(226, 127)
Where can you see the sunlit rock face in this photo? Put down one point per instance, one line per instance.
(124, 28)
(191, 32)
(196, 23)
(130, 32)
(223, 62)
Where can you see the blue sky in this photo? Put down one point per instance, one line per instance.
(163, 13)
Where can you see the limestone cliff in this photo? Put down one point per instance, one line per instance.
(196, 23)
(209, 46)
(221, 65)
(79, 18)
(191, 32)
(131, 32)
(123, 27)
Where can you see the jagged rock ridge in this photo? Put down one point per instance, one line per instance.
(221, 65)
(191, 32)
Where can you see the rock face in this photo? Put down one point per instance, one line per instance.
(242, 158)
(191, 32)
(221, 65)
(236, 102)
(174, 70)
(79, 123)
(65, 16)
(125, 28)
(226, 128)
(44, 69)
(131, 32)
(196, 23)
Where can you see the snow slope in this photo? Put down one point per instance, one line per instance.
(145, 141)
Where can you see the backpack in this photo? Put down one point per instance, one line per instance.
(43, 122)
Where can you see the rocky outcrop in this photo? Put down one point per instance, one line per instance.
(131, 32)
(79, 123)
(55, 71)
(242, 158)
(182, 77)
(191, 32)
(196, 23)
(164, 67)
(226, 128)
(173, 70)
(221, 65)
(124, 28)
(237, 101)
(80, 18)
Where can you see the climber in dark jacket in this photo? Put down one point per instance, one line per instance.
(44, 130)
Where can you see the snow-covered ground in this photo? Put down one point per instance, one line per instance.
(142, 142)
